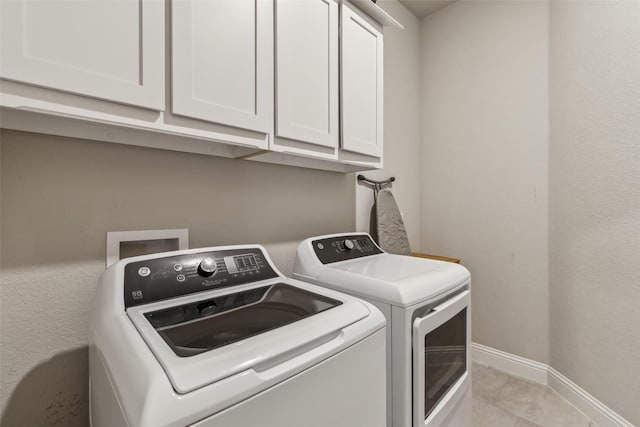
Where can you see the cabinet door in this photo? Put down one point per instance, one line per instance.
(222, 61)
(307, 98)
(108, 49)
(362, 84)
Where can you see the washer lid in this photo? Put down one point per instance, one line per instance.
(395, 279)
(205, 338)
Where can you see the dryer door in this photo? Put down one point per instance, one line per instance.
(441, 359)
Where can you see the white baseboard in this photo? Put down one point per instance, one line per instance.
(510, 363)
(542, 373)
(599, 413)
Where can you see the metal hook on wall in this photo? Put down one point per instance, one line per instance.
(377, 185)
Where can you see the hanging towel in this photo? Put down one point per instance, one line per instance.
(392, 236)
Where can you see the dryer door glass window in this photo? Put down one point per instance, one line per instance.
(197, 327)
(445, 360)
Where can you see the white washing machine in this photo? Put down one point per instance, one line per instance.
(427, 305)
(217, 337)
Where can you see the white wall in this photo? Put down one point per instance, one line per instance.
(484, 162)
(59, 198)
(595, 199)
(401, 124)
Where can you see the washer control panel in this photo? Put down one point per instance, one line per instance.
(169, 277)
(342, 248)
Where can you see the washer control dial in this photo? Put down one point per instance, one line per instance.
(348, 244)
(207, 267)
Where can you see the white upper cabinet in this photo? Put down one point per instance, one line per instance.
(294, 82)
(307, 92)
(222, 61)
(362, 84)
(108, 49)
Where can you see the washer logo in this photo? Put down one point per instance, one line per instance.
(144, 271)
(136, 295)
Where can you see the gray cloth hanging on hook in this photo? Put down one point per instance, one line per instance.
(391, 234)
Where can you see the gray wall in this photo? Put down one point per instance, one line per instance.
(59, 198)
(595, 199)
(484, 162)
(531, 174)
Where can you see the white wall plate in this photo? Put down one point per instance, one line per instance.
(124, 244)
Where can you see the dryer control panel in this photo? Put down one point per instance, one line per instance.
(158, 279)
(342, 248)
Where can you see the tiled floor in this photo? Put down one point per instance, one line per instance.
(500, 400)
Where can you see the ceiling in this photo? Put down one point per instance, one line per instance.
(422, 8)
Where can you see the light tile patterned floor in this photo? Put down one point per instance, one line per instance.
(500, 400)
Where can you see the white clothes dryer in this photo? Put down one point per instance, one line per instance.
(217, 337)
(427, 305)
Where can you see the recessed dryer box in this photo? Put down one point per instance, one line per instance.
(125, 244)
